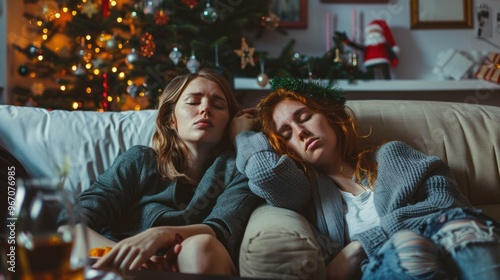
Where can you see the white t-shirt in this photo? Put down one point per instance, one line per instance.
(359, 212)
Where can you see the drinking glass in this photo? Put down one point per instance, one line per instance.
(44, 249)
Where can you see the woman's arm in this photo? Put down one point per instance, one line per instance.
(277, 179)
(411, 187)
(347, 263)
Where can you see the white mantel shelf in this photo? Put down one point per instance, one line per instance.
(385, 85)
(483, 92)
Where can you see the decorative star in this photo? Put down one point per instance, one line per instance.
(246, 54)
(89, 8)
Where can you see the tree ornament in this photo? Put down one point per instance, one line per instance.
(193, 65)
(161, 18)
(89, 9)
(190, 3)
(23, 70)
(271, 21)
(217, 65)
(175, 55)
(37, 88)
(262, 78)
(80, 70)
(84, 52)
(150, 6)
(148, 45)
(132, 57)
(209, 14)
(246, 54)
(33, 51)
(111, 43)
(132, 90)
(101, 40)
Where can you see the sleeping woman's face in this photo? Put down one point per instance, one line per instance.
(201, 114)
(308, 133)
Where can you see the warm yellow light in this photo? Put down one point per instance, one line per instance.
(32, 75)
(57, 15)
(121, 75)
(75, 105)
(88, 37)
(110, 99)
(96, 71)
(113, 3)
(100, 110)
(45, 30)
(65, 9)
(141, 94)
(74, 67)
(97, 50)
(73, 13)
(40, 57)
(114, 69)
(63, 88)
(88, 90)
(119, 19)
(118, 99)
(39, 23)
(129, 82)
(44, 37)
(120, 46)
(88, 65)
(137, 107)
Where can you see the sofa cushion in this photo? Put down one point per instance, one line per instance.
(466, 136)
(44, 140)
(279, 244)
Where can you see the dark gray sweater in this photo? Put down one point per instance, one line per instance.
(130, 197)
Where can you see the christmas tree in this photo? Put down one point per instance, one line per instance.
(118, 55)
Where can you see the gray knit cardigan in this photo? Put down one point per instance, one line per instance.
(131, 196)
(411, 188)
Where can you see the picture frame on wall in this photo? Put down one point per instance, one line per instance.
(292, 13)
(354, 1)
(443, 14)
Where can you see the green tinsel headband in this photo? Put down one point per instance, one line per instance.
(311, 88)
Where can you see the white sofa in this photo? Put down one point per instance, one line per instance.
(278, 243)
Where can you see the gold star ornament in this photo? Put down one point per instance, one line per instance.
(246, 54)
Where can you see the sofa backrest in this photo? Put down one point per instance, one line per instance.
(44, 141)
(466, 136)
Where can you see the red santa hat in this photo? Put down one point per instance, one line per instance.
(381, 26)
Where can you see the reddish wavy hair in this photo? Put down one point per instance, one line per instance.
(340, 117)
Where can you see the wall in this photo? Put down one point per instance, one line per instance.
(419, 48)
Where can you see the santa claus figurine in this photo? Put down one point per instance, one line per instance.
(380, 49)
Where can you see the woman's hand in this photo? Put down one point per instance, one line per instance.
(134, 252)
(242, 121)
(347, 264)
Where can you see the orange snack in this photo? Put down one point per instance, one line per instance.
(99, 252)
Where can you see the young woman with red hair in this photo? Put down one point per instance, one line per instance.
(388, 211)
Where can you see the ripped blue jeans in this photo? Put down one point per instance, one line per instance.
(457, 244)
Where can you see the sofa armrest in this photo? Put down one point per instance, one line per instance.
(279, 244)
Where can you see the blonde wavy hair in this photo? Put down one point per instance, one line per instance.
(171, 150)
(340, 118)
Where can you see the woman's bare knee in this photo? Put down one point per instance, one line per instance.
(416, 253)
(204, 254)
